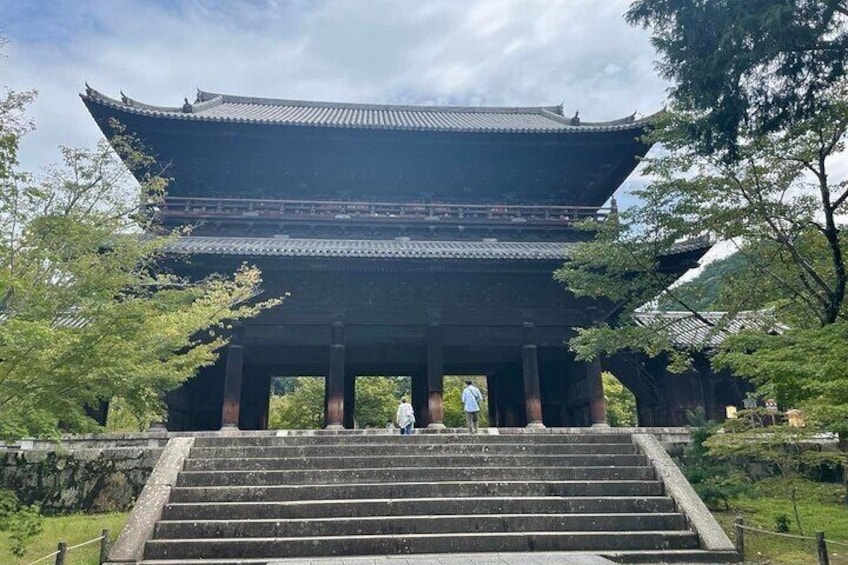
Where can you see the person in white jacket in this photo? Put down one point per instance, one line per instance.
(405, 417)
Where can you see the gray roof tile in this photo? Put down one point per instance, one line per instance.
(382, 249)
(225, 108)
(689, 331)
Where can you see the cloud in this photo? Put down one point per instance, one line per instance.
(487, 52)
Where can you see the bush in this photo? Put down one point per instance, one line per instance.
(21, 522)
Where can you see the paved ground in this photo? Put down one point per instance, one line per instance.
(538, 558)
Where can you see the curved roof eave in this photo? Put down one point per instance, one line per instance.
(211, 107)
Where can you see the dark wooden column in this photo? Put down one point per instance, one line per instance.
(510, 401)
(493, 393)
(265, 400)
(349, 400)
(530, 371)
(435, 375)
(334, 408)
(595, 385)
(420, 398)
(232, 386)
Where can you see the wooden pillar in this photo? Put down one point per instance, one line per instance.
(349, 401)
(530, 371)
(265, 400)
(511, 411)
(334, 407)
(597, 404)
(435, 375)
(232, 386)
(492, 388)
(420, 398)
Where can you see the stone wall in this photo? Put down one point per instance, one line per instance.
(78, 480)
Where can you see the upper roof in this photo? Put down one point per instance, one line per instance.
(209, 106)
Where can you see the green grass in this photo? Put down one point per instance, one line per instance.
(72, 529)
(821, 507)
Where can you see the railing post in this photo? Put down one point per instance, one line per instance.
(104, 546)
(63, 551)
(821, 548)
(738, 524)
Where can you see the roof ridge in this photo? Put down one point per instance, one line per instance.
(236, 99)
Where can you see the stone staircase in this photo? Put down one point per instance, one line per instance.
(255, 499)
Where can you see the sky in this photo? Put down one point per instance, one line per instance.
(579, 53)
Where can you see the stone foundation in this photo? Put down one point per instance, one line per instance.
(81, 480)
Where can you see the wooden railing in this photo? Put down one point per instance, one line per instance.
(254, 209)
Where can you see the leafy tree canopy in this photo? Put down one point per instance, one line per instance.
(764, 181)
(753, 66)
(86, 314)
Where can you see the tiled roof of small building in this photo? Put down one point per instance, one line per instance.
(690, 331)
(379, 249)
(240, 109)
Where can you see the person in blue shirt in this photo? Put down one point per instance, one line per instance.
(471, 399)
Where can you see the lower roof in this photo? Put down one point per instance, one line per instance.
(399, 248)
(378, 249)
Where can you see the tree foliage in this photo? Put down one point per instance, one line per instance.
(86, 312)
(746, 66)
(758, 119)
(454, 411)
(18, 521)
(706, 290)
(621, 403)
(300, 409)
(377, 399)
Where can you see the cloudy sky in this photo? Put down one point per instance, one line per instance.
(466, 52)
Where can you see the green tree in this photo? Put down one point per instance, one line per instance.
(746, 67)
(86, 314)
(714, 477)
(301, 409)
(621, 403)
(706, 291)
(775, 196)
(377, 400)
(454, 412)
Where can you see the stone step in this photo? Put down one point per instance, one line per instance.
(422, 438)
(415, 507)
(422, 459)
(412, 474)
(377, 449)
(671, 556)
(682, 556)
(400, 525)
(229, 548)
(412, 490)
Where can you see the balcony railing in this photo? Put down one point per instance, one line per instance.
(307, 210)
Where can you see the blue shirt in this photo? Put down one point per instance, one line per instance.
(471, 398)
